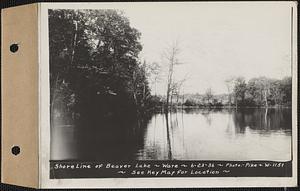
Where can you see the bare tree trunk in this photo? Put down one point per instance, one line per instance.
(135, 99)
(266, 99)
(74, 42)
(134, 89)
(167, 103)
(168, 137)
(144, 95)
(171, 99)
(171, 59)
(266, 117)
(169, 84)
(182, 98)
(182, 124)
(168, 90)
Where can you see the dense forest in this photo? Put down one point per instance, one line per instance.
(94, 64)
(95, 71)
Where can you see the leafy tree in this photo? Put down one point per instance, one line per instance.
(240, 88)
(264, 91)
(189, 102)
(94, 62)
(276, 94)
(286, 90)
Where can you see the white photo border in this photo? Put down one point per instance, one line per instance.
(174, 182)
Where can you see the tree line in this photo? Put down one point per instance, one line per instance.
(257, 92)
(95, 69)
(262, 91)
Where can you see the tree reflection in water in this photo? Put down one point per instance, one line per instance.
(191, 134)
(264, 120)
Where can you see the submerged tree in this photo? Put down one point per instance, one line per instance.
(171, 57)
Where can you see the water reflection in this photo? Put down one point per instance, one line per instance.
(193, 134)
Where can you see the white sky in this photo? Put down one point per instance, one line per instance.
(217, 40)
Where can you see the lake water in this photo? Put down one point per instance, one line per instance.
(189, 134)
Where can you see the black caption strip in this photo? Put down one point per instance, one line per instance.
(72, 169)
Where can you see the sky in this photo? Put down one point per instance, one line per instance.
(216, 41)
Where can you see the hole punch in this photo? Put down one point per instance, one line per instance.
(16, 150)
(14, 48)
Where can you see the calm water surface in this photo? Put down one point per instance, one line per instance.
(193, 134)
